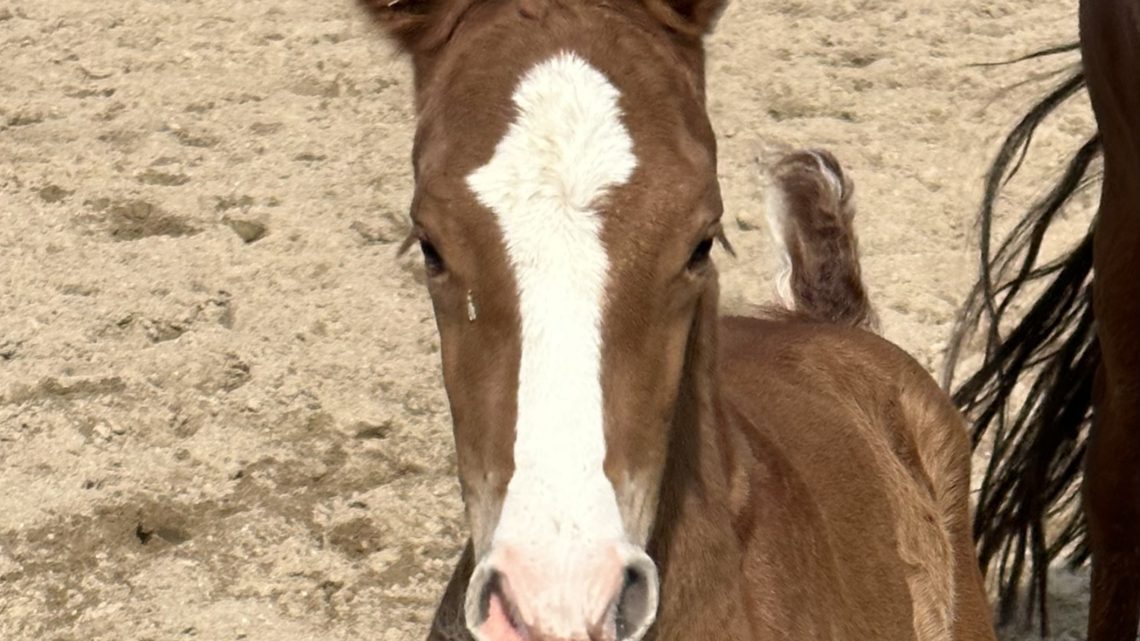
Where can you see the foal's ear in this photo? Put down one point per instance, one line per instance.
(693, 18)
(418, 26)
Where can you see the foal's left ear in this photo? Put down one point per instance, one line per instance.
(418, 26)
(692, 18)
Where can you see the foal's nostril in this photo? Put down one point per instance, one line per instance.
(490, 586)
(637, 603)
(487, 608)
(494, 591)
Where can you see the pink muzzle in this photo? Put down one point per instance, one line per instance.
(588, 592)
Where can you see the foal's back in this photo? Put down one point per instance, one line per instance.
(873, 457)
(875, 463)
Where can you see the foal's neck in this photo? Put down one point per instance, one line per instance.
(694, 542)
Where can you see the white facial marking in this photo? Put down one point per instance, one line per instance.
(565, 149)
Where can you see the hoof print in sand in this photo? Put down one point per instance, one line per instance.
(135, 219)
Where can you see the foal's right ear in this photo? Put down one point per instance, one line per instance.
(418, 26)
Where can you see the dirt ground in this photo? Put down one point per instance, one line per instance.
(221, 415)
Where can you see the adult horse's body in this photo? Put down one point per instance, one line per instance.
(1077, 351)
(632, 465)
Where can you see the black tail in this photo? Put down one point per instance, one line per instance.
(1033, 393)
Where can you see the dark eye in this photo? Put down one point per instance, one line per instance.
(433, 262)
(700, 255)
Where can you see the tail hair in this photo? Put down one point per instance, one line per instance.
(1032, 394)
(811, 214)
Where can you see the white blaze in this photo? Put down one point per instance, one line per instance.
(566, 147)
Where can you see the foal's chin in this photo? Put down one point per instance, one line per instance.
(573, 591)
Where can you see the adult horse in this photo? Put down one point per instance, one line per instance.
(632, 465)
(1076, 351)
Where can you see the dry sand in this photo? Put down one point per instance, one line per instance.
(221, 415)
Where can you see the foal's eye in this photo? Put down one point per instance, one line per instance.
(433, 262)
(700, 255)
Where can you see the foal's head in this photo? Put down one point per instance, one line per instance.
(566, 201)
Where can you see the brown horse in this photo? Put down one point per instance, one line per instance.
(1076, 351)
(632, 465)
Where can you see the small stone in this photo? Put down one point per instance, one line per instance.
(250, 231)
(154, 177)
(309, 156)
(26, 117)
(8, 349)
(367, 431)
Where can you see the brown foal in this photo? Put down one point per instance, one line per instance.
(632, 465)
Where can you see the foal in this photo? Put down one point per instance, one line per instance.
(632, 466)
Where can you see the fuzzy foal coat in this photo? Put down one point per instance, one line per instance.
(815, 478)
(819, 492)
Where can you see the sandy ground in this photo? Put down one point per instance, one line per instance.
(221, 415)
